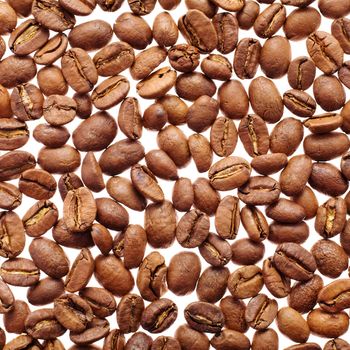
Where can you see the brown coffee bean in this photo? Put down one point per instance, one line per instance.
(184, 58)
(248, 14)
(345, 114)
(191, 86)
(201, 152)
(111, 214)
(183, 195)
(68, 182)
(334, 296)
(134, 30)
(102, 238)
(188, 338)
(247, 252)
(129, 313)
(276, 283)
(160, 224)
(215, 250)
(51, 81)
(281, 233)
(166, 343)
(286, 136)
(49, 257)
(285, 211)
(79, 7)
(7, 299)
(12, 237)
(175, 108)
(270, 20)
(344, 165)
(212, 284)
(159, 315)
(324, 123)
(301, 73)
(294, 261)
(234, 310)
(334, 9)
(217, 67)
(207, 7)
(155, 117)
(292, 324)
(139, 340)
(5, 103)
(13, 134)
(8, 19)
(326, 178)
(231, 6)
(51, 136)
(340, 30)
(112, 275)
(299, 103)
(165, 31)
(330, 258)
(230, 339)
(303, 295)
(336, 344)
(345, 238)
(328, 325)
(259, 190)
(14, 320)
(307, 199)
(254, 222)
(267, 337)
(161, 165)
(52, 50)
(109, 5)
(37, 184)
(95, 330)
(254, 135)
(45, 291)
(91, 173)
(181, 265)
(206, 198)
(227, 217)
(268, 164)
(23, 340)
(325, 51)
(204, 317)
(223, 136)
(226, 27)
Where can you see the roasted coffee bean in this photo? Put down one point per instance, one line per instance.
(297, 3)
(299, 103)
(267, 337)
(175, 108)
(165, 343)
(8, 19)
(223, 136)
(254, 222)
(230, 339)
(325, 51)
(259, 190)
(37, 184)
(340, 30)
(201, 152)
(101, 301)
(49, 257)
(247, 57)
(330, 258)
(328, 325)
(112, 275)
(16, 70)
(73, 312)
(23, 341)
(217, 67)
(212, 284)
(198, 30)
(233, 99)
(7, 299)
(79, 7)
(226, 27)
(324, 123)
(28, 37)
(215, 250)
(52, 50)
(79, 70)
(23, 8)
(281, 233)
(109, 5)
(45, 291)
(207, 7)
(307, 199)
(327, 179)
(301, 73)
(13, 134)
(254, 135)
(27, 102)
(294, 261)
(51, 136)
(345, 114)
(147, 61)
(110, 92)
(20, 272)
(292, 324)
(165, 31)
(68, 182)
(227, 218)
(51, 82)
(181, 265)
(248, 14)
(155, 117)
(344, 165)
(12, 237)
(129, 313)
(184, 58)
(268, 164)
(95, 330)
(303, 295)
(285, 211)
(14, 320)
(42, 324)
(183, 194)
(329, 93)
(134, 30)
(286, 136)
(5, 103)
(270, 20)
(79, 209)
(51, 15)
(159, 315)
(276, 283)
(91, 173)
(41, 217)
(336, 344)
(161, 165)
(334, 296)
(188, 338)
(204, 317)
(139, 340)
(129, 118)
(233, 310)
(334, 9)
(111, 214)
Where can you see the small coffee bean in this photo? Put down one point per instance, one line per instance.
(230, 339)
(23, 340)
(285, 211)
(340, 30)
(91, 173)
(254, 222)
(6, 298)
(270, 20)
(183, 195)
(109, 5)
(129, 313)
(13, 134)
(139, 340)
(227, 217)
(20, 272)
(247, 15)
(215, 250)
(247, 252)
(155, 117)
(95, 330)
(307, 199)
(114, 340)
(51, 136)
(281, 233)
(207, 7)
(111, 214)
(79, 7)
(301, 73)
(268, 164)
(184, 58)
(223, 136)
(226, 27)
(233, 310)
(336, 344)
(14, 320)
(165, 31)
(201, 152)
(324, 123)
(165, 343)
(267, 337)
(8, 19)
(217, 67)
(188, 338)
(51, 81)
(161, 165)
(45, 291)
(175, 108)
(5, 103)
(246, 58)
(334, 9)
(52, 50)
(68, 182)
(299, 103)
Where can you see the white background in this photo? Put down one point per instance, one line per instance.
(149, 141)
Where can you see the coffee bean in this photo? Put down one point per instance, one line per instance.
(139, 340)
(8, 19)
(268, 164)
(91, 173)
(292, 324)
(207, 7)
(325, 51)
(247, 57)
(230, 339)
(49, 257)
(254, 135)
(281, 233)
(343, 74)
(79, 7)
(217, 67)
(204, 317)
(6, 298)
(223, 136)
(159, 315)
(165, 31)
(5, 103)
(254, 222)
(334, 9)
(233, 310)
(14, 320)
(248, 14)
(129, 313)
(307, 199)
(68, 182)
(111, 214)
(52, 50)
(215, 250)
(270, 21)
(161, 165)
(267, 337)
(276, 283)
(226, 27)
(188, 337)
(23, 340)
(13, 134)
(340, 29)
(294, 261)
(206, 198)
(183, 195)
(336, 343)
(45, 291)
(166, 343)
(324, 123)
(52, 82)
(247, 252)
(201, 152)
(227, 218)
(301, 73)
(95, 330)
(51, 136)
(175, 108)
(109, 5)
(112, 275)
(285, 211)
(299, 103)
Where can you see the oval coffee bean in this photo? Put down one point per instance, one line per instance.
(111, 214)
(254, 222)
(299, 103)
(183, 195)
(215, 250)
(268, 164)
(201, 152)
(227, 218)
(324, 123)
(7, 299)
(10, 196)
(20, 272)
(270, 20)
(334, 296)
(247, 57)
(13, 134)
(285, 211)
(45, 291)
(129, 313)
(51, 136)
(301, 73)
(247, 252)
(281, 233)
(52, 50)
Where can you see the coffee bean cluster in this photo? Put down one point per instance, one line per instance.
(56, 70)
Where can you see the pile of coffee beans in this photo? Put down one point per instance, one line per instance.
(176, 178)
